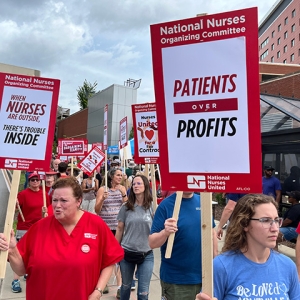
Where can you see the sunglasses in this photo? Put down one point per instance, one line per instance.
(34, 179)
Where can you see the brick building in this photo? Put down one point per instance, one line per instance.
(279, 33)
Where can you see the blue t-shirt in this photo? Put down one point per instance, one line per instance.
(270, 186)
(238, 278)
(235, 197)
(184, 266)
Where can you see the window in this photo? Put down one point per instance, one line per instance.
(284, 61)
(292, 42)
(264, 55)
(293, 13)
(272, 47)
(273, 33)
(278, 41)
(278, 54)
(279, 27)
(272, 58)
(285, 49)
(264, 43)
(286, 20)
(293, 57)
(293, 27)
(285, 35)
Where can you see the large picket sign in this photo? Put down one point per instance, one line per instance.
(27, 121)
(206, 86)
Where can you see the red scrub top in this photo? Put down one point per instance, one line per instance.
(63, 266)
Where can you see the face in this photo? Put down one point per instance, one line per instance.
(49, 180)
(257, 235)
(65, 205)
(56, 162)
(34, 182)
(138, 185)
(268, 173)
(117, 178)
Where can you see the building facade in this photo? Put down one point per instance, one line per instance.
(279, 33)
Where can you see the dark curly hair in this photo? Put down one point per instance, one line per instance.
(147, 194)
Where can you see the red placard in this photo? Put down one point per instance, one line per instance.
(105, 127)
(76, 147)
(93, 159)
(206, 79)
(123, 132)
(146, 147)
(99, 145)
(27, 121)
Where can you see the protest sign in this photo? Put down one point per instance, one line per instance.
(27, 121)
(123, 131)
(93, 159)
(206, 80)
(74, 147)
(145, 133)
(99, 145)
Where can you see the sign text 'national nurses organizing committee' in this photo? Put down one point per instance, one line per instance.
(27, 121)
(207, 90)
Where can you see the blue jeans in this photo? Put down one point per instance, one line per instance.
(289, 233)
(144, 273)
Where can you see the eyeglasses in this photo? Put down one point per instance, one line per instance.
(34, 179)
(268, 222)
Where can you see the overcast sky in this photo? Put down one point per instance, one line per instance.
(98, 40)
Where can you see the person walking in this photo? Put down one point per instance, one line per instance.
(134, 224)
(248, 268)
(180, 275)
(89, 187)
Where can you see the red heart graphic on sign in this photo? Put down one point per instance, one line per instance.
(149, 134)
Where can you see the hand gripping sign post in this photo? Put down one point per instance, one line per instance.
(105, 142)
(207, 88)
(27, 121)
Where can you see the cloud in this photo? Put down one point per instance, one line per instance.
(103, 41)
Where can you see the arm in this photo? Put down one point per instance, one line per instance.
(278, 196)
(83, 186)
(119, 231)
(286, 222)
(157, 239)
(215, 243)
(101, 196)
(298, 255)
(228, 209)
(102, 281)
(14, 256)
(96, 187)
(123, 192)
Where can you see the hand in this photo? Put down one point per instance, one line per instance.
(4, 246)
(202, 296)
(219, 232)
(105, 195)
(170, 226)
(95, 295)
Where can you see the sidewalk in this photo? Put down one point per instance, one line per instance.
(154, 285)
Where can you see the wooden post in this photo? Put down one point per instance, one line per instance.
(72, 165)
(44, 208)
(154, 196)
(207, 243)
(105, 170)
(175, 216)
(146, 170)
(9, 220)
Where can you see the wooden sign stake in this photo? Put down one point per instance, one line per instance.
(44, 208)
(9, 220)
(154, 196)
(175, 216)
(207, 244)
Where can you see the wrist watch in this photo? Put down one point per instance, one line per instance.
(99, 290)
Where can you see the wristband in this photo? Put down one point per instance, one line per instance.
(124, 195)
(99, 290)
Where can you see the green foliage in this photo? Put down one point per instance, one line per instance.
(131, 134)
(220, 199)
(84, 92)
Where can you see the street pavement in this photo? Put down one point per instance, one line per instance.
(154, 285)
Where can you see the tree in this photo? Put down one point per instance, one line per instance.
(84, 92)
(131, 135)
